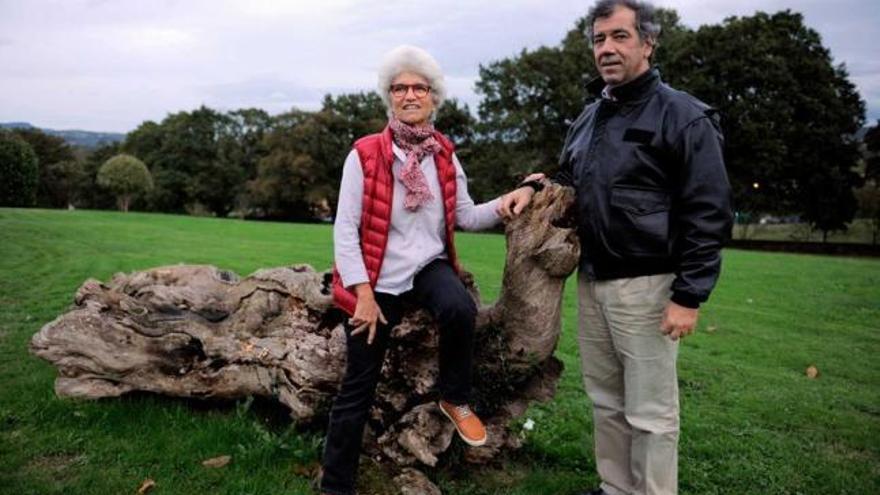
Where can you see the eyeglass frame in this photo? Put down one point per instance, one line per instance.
(405, 88)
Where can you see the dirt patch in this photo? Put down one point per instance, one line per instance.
(58, 467)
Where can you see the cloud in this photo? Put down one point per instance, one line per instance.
(272, 94)
(151, 38)
(109, 65)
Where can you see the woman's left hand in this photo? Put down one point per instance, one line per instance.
(513, 203)
(367, 313)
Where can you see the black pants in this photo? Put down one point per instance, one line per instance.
(439, 290)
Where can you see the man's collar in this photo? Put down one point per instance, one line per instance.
(632, 90)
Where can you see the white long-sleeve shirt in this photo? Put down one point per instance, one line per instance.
(415, 238)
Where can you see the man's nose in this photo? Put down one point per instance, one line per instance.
(604, 49)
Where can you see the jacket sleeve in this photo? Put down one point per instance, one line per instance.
(702, 214)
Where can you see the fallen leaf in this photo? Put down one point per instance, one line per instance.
(217, 462)
(146, 485)
(812, 371)
(306, 470)
(711, 328)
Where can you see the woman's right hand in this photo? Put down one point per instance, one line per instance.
(367, 313)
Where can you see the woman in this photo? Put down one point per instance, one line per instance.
(403, 191)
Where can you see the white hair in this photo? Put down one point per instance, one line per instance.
(408, 58)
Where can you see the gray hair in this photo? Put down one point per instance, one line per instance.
(407, 58)
(646, 23)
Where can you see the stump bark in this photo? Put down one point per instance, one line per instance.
(204, 332)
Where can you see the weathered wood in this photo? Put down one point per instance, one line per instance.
(203, 332)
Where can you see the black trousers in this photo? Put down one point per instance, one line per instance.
(439, 290)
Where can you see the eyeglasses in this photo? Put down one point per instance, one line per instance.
(400, 90)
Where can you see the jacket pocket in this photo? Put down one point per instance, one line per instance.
(640, 221)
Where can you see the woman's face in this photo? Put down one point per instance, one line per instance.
(409, 102)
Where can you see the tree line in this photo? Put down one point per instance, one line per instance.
(790, 118)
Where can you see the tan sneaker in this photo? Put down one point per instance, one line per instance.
(469, 426)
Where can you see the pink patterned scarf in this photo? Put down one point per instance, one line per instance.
(417, 143)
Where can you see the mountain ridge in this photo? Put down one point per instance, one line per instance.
(74, 137)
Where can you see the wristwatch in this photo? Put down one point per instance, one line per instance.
(534, 184)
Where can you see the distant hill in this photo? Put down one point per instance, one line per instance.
(85, 139)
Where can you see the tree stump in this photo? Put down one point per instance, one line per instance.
(202, 332)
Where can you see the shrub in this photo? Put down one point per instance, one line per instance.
(126, 176)
(19, 171)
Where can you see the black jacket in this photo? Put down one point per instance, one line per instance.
(652, 193)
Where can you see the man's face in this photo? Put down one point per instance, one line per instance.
(620, 53)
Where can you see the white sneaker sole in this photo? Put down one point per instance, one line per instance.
(472, 443)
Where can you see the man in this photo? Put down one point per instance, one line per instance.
(653, 208)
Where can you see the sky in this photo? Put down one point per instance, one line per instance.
(109, 65)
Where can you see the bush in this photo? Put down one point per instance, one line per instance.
(19, 170)
(126, 176)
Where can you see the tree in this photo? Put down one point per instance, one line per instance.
(455, 121)
(86, 191)
(215, 182)
(299, 177)
(169, 192)
(788, 114)
(872, 153)
(126, 176)
(65, 178)
(183, 153)
(868, 195)
(18, 168)
(241, 144)
(50, 151)
(529, 101)
(201, 159)
(359, 113)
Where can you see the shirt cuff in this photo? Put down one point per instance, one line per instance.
(686, 300)
(493, 206)
(352, 277)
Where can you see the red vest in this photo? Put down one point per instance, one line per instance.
(376, 157)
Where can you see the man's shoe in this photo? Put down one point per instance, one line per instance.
(469, 426)
(597, 491)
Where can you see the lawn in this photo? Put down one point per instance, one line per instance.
(752, 421)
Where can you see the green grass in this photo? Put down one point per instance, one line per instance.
(752, 422)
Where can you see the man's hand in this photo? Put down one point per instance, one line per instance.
(678, 321)
(367, 313)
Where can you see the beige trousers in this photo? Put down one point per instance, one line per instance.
(629, 373)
